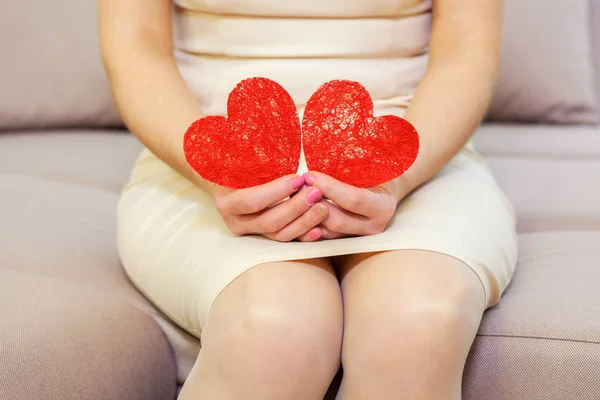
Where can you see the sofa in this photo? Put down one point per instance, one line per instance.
(73, 327)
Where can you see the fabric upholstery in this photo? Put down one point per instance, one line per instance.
(72, 326)
(65, 341)
(551, 194)
(516, 368)
(95, 158)
(549, 173)
(51, 73)
(538, 141)
(542, 340)
(595, 22)
(58, 193)
(556, 291)
(546, 73)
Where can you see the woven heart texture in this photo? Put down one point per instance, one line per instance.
(259, 141)
(261, 138)
(342, 138)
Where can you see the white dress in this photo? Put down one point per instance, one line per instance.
(172, 242)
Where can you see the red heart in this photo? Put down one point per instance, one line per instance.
(342, 139)
(258, 142)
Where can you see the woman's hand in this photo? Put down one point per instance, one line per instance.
(355, 211)
(263, 209)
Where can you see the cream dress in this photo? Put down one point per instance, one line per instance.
(172, 242)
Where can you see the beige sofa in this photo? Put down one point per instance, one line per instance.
(73, 327)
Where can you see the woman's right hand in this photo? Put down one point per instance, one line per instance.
(261, 210)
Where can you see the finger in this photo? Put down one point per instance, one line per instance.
(327, 234)
(340, 221)
(257, 198)
(275, 218)
(301, 226)
(356, 200)
(312, 235)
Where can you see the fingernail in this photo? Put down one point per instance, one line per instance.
(309, 179)
(315, 234)
(297, 183)
(314, 196)
(320, 210)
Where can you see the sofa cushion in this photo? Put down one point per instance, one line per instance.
(539, 141)
(64, 188)
(551, 194)
(51, 73)
(94, 158)
(546, 72)
(543, 339)
(62, 340)
(550, 174)
(595, 22)
(72, 325)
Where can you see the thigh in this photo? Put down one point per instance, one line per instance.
(298, 295)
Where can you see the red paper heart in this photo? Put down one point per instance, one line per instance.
(258, 142)
(342, 139)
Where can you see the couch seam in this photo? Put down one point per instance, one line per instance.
(82, 184)
(540, 338)
(540, 156)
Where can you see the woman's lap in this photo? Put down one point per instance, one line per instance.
(177, 251)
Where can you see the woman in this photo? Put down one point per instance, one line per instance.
(390, 281)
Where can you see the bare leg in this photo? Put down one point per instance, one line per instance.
(410, 320)
(273, 333)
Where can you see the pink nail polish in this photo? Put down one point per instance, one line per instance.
(314, 196)
(297, 183)
(315, 234)
(309, 179)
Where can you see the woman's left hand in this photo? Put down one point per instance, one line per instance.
(355, 211)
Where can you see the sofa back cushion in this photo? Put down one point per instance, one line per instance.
(547, 68)
(51, 73)
(595, 22)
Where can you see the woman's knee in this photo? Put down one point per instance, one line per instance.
(430, 325)
(293, 319)
(292, 329)
(429, 313)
